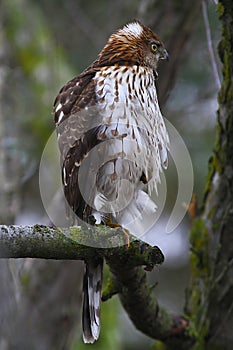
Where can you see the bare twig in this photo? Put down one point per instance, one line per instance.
(176, 45)
(86, 25)
(210, 45)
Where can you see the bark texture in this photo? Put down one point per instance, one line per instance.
(210, 305)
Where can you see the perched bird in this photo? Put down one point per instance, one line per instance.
(113, 143)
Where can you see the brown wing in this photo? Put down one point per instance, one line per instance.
(77, 127)
(75, 95)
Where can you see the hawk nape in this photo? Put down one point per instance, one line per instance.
(113, 104)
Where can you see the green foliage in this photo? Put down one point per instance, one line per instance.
(37, 56)
(158, 345)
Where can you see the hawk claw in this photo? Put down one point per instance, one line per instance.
(91, 220)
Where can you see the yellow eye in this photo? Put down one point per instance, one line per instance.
(153, 47)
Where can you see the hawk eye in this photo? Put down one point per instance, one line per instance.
(153, 47)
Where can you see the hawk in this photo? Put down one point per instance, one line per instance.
(113, 143)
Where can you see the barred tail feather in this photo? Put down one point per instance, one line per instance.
(92, 284)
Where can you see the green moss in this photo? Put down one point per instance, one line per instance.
(25, 279)
(33, 52)
(110, 289)
(199, 239)
(158, 345)
(201, 335)
(200, 283)
(74, 233)
(220, 9)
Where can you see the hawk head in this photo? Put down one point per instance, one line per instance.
(133, 44)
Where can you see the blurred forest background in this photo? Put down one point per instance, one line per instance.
(43, 44)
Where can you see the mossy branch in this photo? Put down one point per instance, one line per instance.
(125, 264)
(72, 243)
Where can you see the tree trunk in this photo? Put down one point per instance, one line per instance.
(211, 291)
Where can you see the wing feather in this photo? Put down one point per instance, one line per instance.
(76, 134)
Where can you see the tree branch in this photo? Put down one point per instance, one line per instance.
(176, 44)
(137, 297)
(210, 45)
(125, 264)
(46, 242)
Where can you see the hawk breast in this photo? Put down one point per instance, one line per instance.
(128, 105)
(112, 138)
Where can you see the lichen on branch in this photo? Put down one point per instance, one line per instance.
(128, 265)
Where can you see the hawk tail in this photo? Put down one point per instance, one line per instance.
(92, 285)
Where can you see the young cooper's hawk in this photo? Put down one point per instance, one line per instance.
(113, 143)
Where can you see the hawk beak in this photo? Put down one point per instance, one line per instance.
(164, 54)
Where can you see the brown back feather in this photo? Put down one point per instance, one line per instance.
(76, 137)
